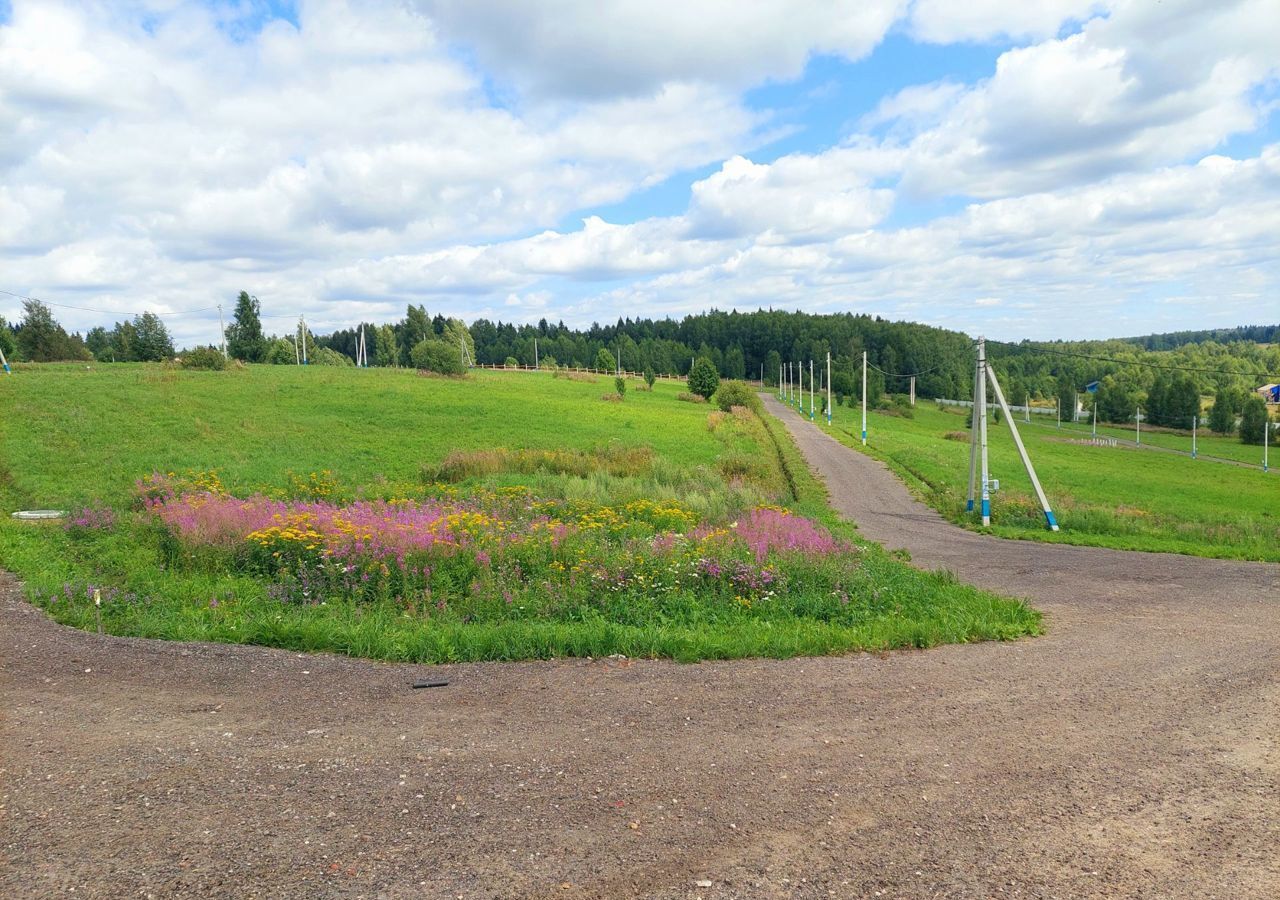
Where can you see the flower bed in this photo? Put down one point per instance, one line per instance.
(499, 554)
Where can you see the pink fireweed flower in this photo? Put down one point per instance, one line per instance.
(768, 529)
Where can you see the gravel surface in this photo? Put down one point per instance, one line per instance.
(1130, 752)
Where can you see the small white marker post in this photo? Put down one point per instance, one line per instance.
(864, 398)
(97, 609)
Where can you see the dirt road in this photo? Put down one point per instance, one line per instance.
(1131, 752)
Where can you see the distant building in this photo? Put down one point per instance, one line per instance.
(1270, 393)
(1092, 387)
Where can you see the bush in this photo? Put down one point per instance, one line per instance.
(650, 376)
(690, 398)
(280, 352)
(327, 356)
(703, 378)
(737, 393)
(441, 357)
(605, 361)
(548, 362)
(620, 385)
(204, 358)
(511, 362)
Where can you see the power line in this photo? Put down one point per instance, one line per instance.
(872, 365)
(1132, 362)
(110, 312)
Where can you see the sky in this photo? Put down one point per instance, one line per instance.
(1058, 169)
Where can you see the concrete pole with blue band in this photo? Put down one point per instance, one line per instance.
(1022, 451)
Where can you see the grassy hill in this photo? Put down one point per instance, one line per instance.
(386, 514)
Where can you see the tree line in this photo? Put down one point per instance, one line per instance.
(1123, 373)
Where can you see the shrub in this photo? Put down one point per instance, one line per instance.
(737, 393)
(650, 376)
(548, 362)
(326, 356)
(703, 378)
(714, 419)
(690, 398)
(280, 352)
(437, 356)
(204, 358)
(511, 362)
(611, 398)
(620, 385)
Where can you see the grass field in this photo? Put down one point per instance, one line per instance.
(1120, 497)
(384, 514)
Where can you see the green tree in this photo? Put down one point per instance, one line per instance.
(1253, 420)
(385, 350)
(152, 342)
(1226, 406)
(703, 378)
(650, 376)
(244, 335)
(620, 385)
(412, 330)
(438, 356)
(98, 340)
(605, 361)
(41, 339)
(455, 332)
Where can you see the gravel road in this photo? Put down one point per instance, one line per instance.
(1130, 752)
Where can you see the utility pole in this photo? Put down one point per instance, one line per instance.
(535, 353)
(828, 388)
(864, 398)
(913, 389)
(973, 436)
(1022, 450)
(1057, 406)
(1095, 416)
(222, 330)
(981, 414)
(302, 325)
(810, 390)
(1195, 420)
(1137, 425)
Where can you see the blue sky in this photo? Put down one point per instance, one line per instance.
(1074, 168)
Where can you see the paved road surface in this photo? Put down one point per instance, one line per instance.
(1131, 752)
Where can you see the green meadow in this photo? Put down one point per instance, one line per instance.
(566, 523)
(1121, 497)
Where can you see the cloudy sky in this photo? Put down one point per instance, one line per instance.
(1064, 168)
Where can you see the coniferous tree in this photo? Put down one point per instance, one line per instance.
(245, 340)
